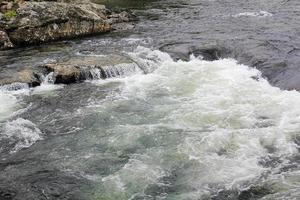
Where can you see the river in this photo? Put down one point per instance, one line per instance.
(207, 109)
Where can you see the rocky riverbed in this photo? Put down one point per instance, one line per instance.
(25, 23)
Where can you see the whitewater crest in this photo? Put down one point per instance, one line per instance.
(208, 126)
(254, 14)
(17, 133)
(173, 130)
(7, 103)
(20, 133)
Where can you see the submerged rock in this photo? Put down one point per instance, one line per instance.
(39, 22)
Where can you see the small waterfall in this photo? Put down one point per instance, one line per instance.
(148, 60)
(48, 79)
(143, 60)
(47, 84)
(90, 73)
(95, 73)
(112, 71)
(124, 69)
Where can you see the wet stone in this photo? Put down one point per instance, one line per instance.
(255, 192)
(5, 42)
(44, 21)
(77, 69)
(25, 76)
(6, 194)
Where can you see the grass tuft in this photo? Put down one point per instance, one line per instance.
(10, 14)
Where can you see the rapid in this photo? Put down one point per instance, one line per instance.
(172, 125)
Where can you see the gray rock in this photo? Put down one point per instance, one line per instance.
(5, 42)
(65, 74)
(39, 22)
(73, 70)
(89, 67)
(27, 76)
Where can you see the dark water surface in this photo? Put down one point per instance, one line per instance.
(191, 129)
(135, 4)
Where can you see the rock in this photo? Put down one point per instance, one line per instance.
(65, 74)
(123, 26)
(89, 67)
(39, 22)
(6, 6)
(94, 61)
(73, 70)
(124, 16)
(9, 5)
(27, 76)
(119, 17)
(3, 8)
(5, 42)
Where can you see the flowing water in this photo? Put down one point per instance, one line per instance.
(184, 121)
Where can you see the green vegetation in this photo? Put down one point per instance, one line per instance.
(10, 14)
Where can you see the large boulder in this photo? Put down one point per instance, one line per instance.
(39, 22)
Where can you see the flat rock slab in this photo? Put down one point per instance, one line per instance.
(24, 76)
(73, 70)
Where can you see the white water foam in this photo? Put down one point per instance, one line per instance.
(254, 14)
(47, 85)
(22, 133)
(90, 54)
(7, 103)
(221, 117)
(121, 70)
